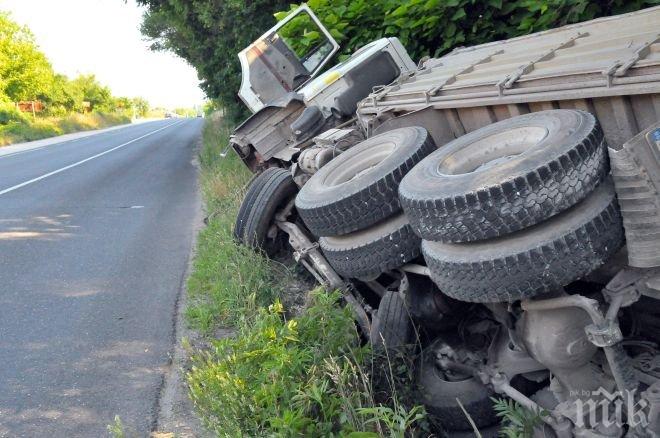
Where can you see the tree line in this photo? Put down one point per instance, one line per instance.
(27, 75)
(210, 33)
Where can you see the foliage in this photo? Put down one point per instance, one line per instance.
(9, 113)
(116, 429)
(185, 112)
(397, 420)
(210, 33)
(433, 27)
(517, 421)
(26, 75)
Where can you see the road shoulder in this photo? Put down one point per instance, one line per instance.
(174, 410)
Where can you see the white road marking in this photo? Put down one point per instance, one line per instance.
(78, 163)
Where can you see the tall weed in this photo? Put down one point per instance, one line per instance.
(296, 377)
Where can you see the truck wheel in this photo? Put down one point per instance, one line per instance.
(359, 188)
(533, 261)
(506, 176)
(392, 328)
(273, 189)
(253, 188)
(372, 251)
(439, 395)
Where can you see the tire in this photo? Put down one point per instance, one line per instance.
(392, 329)
(506, 176)
(370, 252)
(359, 188)
(533, 261)
(274, 188)
(253, 188)
(439, 396)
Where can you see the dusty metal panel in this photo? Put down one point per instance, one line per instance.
(617, 55)
(609, 67)
(615, 116)
(475, 118)
(439, 127)
(454, 121)
(269, 130)
(646, 109)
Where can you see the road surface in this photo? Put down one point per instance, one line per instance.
(95, 236)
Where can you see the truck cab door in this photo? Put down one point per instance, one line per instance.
(285, 58)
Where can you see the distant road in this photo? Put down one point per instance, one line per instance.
(95, 234)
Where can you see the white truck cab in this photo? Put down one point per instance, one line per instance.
(293, 99)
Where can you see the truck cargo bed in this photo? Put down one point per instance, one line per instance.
(609, 66)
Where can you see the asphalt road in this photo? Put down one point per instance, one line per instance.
(95, 236)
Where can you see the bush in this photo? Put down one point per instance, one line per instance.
(256, 383)
(9, 113)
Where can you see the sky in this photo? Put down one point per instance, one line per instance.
(103, 37)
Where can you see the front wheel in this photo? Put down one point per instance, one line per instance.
(268, 194)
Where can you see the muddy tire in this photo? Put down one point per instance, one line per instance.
(506, 176)
(439, 396)
(359, 188)
(274, 189)
(372, 251)
(533, 261)
(253, 188)
(392, 328)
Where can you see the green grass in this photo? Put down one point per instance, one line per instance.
(304, 376)
(229, 282)
(278, 376)
(21, 127)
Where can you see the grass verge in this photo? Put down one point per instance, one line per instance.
(228, 282)
(278, 376)
(23, 128)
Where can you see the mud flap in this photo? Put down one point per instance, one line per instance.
(636, 171)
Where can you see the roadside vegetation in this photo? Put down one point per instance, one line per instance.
(229, 282)
(279, 373)
(36, 102)
(22, 128)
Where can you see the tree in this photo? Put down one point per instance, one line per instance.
(25, 73)
(63, 97)
(209, 34)
(99, 96)
(141, 106)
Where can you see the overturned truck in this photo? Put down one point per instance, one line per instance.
(498, 207)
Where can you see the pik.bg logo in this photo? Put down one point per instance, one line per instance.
(612, 409)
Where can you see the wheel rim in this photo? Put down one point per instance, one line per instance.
(361, 164)
(493, 150)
